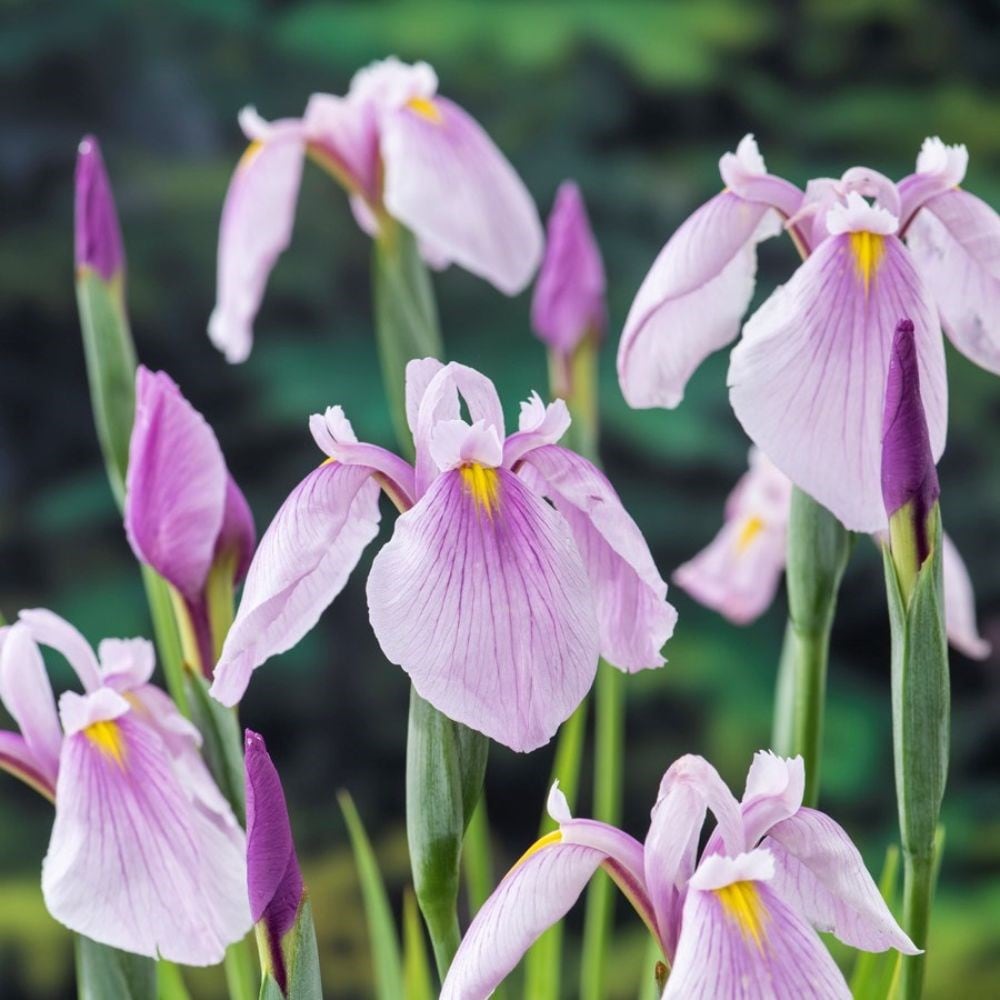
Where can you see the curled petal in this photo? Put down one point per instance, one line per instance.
(691, 302)
(448, 182)
(960, 604)
(774, 790)
(302, 563)
(633, 614)
(939, 168)
(344, 131)
(481, 597)
(126, 664)
(48, 629)
(807, 381)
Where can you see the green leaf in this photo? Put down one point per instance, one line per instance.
(170, 982)
(874, 971)
(103, 972)
(381, 929)
(301, 960)
(416, 967)
(223, 747)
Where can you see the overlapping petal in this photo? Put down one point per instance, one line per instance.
(302, 563)
(960, 604)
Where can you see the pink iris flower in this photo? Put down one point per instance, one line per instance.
(513, 564)
(807, 380)
(402, 151)
(145, 853)
(740, 921)
(738, 572)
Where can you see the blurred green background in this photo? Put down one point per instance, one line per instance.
(636, 101)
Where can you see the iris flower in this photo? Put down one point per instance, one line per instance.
(401, 151)
(740, 921)
(738, 572)
(145, 853)
(511, 568)
(807, 380)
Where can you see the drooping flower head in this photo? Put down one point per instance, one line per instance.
(512, 566)
(97, 234)
(184, 514)
(402, 152)
(145, 853)
(807, 380)
(739, 921)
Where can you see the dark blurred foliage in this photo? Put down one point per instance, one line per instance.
(636, 101)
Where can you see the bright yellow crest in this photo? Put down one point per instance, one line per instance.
(868, 250)
(107, 737)
(742, 904)
(483, 484)
(752, 527)
(426, 108)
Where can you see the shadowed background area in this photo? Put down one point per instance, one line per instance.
(636, 101)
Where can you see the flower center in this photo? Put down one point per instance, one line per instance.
(752, 527)
(107, 737)
(868, 250)
(742, 904)
(483, 484)
(426, 108)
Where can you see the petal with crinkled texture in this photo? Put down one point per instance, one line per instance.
(256, 227)
(633, 614)
(960, 604)
(536, 893)
(691, 302)
(447, 181)
(807, 380)
(482, 598)
(819, 871)
(955, 239)
(132, 862)
(301, 564)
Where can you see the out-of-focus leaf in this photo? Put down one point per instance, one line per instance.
(103, 972)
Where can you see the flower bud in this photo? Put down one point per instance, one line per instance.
(98, 236)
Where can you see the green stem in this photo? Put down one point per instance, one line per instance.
(241, 969)
(809, 657)
(918, 892)
(168, 640)
(476, 858)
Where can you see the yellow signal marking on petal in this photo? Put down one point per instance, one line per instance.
(868, 249)
(752, 527)
(548, 840)
(250, 154)
(426, 108)
(483, 485)
(107, 737)
(742, 904)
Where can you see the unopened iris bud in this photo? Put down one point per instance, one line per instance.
(910, 486)
(98, 235)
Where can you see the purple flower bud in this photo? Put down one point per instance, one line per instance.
(274, 881)
(98, 236)
(569, 296)
(908, 471)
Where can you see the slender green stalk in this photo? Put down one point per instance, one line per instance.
(476, 859)
(170, 983)
(241, 969)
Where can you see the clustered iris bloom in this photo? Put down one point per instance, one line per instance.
(512, 567)
(739, 920)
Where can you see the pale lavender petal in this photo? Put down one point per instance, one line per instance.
(175, 490)
(481, 597)
(960, 604)
(807, 380)
(536, 893)
(955, 240)
(420, 373)
(256, 227)
(126, 664)
(774, 790)
(939, 168)
(691, 302)
(48, 629)
(17, 759)
(820, 873)
(301, 564)
(634, 617)
(344, 131)
(538, 424)
(447, 181)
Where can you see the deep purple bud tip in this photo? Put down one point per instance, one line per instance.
(98, 236)
(908, 471)
(274, 881)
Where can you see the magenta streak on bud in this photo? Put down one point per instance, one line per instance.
(98, 236)
(274, 881)
(908, 472)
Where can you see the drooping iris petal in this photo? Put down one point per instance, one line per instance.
(807, 380)
(691, 302)
(132, 863)
(343, 131)
(301, 564)
(482, 598)
(175, 491)
(955, 240)
(960, 604)
(819, 871)
(256, 227)
(447, 181)
(634, 617)
(740, 940)
(536, 893)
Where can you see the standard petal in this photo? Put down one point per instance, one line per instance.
(955, 240)
(126, 664)
(175, 490)
(807, 380)
(634, 617)
(691, 302)
(820, 873)
(256, 227)
(536, 893)
(447, 181)
(130, 863)
(774, 790)
(960, 604)
(481, 597)
(48, 629)
(301, 564)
